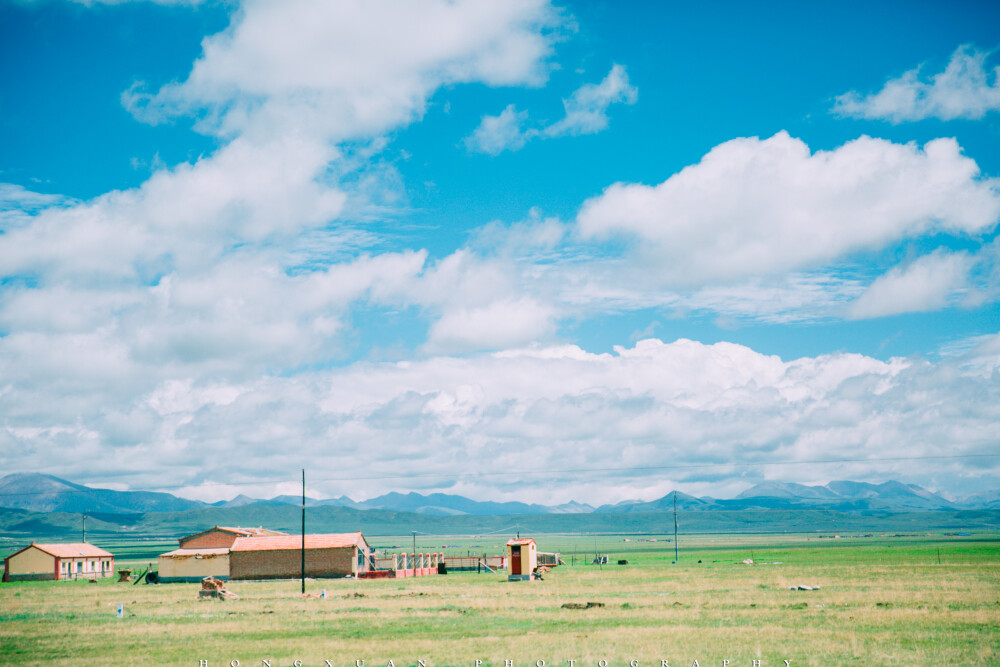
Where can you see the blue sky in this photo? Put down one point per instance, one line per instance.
(469, 236)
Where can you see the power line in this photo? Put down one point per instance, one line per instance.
(537, 471)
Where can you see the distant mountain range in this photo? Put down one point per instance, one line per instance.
(44, 493)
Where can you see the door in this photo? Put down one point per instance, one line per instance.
(515, 559)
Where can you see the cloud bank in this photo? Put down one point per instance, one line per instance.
(723, 406)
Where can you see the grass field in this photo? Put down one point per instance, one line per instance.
(884, 600)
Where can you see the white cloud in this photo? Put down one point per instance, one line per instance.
(965, 89)
(927, 283)
(348, 69)
(492, 326)
(756, 207)
(586, 113)
(497, 134)
(90, 3)
(18, 205)
(541, 408)
(180, 219)
(201, 317)
(190, 273)
(587, 107)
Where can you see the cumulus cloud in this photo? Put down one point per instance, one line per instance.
(721, 406)
(965, 89)
(202, 316)
(228, 259)
(587, 107)
(755, 207)
(586, 113)
(18, 205)
(497, 134)
(495, 325)
(348, 69)
(924, 284)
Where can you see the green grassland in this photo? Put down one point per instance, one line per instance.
(24, 526)
(883, 600)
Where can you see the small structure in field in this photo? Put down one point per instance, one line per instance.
(522, 555)
(215, 588)
(550, 559)
(193, 565)
(223, 537)
(79, 560)
(403, 565)
(280, 556)
(484, 563)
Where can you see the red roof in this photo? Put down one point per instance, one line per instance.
(195, 553)
(74, 550)
(281, 542)
(250, 532)
(234, 530)
(523, 540)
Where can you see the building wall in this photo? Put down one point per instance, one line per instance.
(90, 567)
(34, 564)
(531, 551)
(528, 560)
(190, 568)
(216, 539)
(31, 564)
(287, 563)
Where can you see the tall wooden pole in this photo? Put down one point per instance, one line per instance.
(303, 531)
(676, 552)
(84, 527)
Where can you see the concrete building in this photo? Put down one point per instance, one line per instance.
(193, 565)
(59, 561)
(223, 537)
(280, 557)
(522, 555)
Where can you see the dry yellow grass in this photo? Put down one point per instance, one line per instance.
(893, 611)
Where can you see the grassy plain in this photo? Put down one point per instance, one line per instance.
(884, 600)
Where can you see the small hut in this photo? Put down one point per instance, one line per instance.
(522, 555)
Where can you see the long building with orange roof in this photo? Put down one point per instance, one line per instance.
(280, 556)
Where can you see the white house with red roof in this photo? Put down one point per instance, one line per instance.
(78, 560)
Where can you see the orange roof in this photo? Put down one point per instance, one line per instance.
(250, 532)
(523, 540)
(74, 550)
(235, 530)
(281, 542)
(195, 553)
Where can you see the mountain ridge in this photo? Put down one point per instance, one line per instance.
(39, 492)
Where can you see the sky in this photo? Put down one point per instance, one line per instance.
(530, 251)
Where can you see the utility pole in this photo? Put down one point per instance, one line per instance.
(414, 545)
(676, 552)
(303, 531)
(84, 527)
